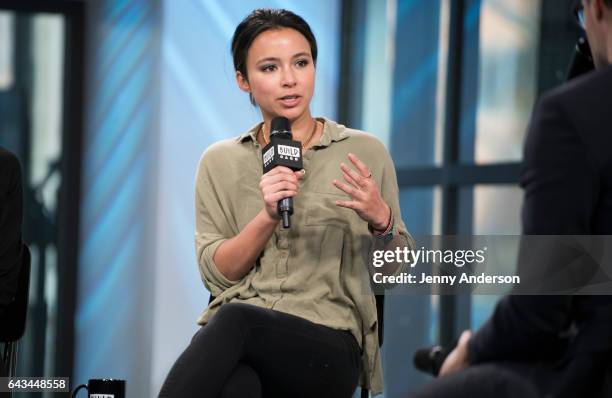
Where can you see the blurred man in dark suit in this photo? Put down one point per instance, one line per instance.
(10, 229)
(553, 346)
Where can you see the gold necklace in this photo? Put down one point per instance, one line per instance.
(304, 144)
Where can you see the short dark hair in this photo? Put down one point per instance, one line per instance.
(257, 22)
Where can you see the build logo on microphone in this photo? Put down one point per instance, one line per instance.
(287, 152)
(268, 156)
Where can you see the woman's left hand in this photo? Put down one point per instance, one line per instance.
(366, 199)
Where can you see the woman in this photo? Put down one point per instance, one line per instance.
(293, 314)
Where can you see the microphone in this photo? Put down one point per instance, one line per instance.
(430, 359)
(282, 151)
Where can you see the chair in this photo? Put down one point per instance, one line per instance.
(380, 312)
(14, 319)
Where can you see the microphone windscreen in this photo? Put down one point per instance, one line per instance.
(430, 359)
(280, 124)
(422, 359)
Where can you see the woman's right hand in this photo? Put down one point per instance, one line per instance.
(279, 183)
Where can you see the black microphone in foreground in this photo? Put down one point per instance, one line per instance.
(430, 359)
(282, 151)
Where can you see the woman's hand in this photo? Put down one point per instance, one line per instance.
(279, 183)
(366, 199)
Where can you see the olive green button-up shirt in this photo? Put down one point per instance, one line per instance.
(318, 269)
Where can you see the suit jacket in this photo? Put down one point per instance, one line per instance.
(10, 226)
(567, 181)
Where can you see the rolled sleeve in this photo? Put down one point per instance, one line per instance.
(212, 227)
(213, 279)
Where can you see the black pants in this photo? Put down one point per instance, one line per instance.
(246, 351)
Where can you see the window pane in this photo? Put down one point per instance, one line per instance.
(496, 212)
(500, 77)
(421, 209)
(509, 31)
(417, 105)
(6, 50)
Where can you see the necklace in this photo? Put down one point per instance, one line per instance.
(304, 144)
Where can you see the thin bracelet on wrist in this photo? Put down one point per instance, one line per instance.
(389, 227)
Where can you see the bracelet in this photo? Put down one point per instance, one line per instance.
(387, 230)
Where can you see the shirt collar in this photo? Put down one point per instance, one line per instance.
(332, 132)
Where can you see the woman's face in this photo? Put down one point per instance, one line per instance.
(281, 74)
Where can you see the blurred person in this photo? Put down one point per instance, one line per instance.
(553, 346)
(10, 231)
(289, 317)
